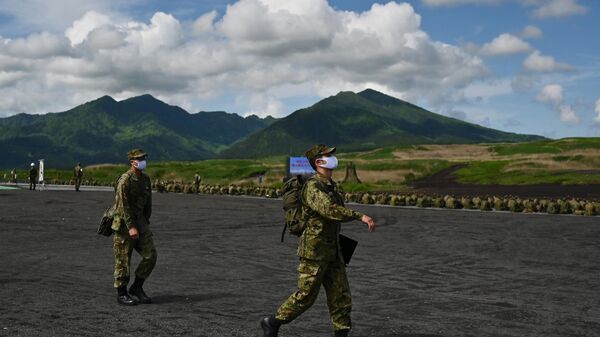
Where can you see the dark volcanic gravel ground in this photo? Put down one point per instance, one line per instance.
(221, 267)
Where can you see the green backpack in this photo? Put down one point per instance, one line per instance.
(296, 214)
(292, 206)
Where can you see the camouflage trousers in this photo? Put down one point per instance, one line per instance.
(311, 275)
(123, 246)
(77, 183)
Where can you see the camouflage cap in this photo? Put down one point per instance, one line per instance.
(318, 151)
(136, 154)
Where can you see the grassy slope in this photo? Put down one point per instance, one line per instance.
(566, 161)
(363, 121)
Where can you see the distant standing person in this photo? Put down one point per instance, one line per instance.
(14, 176)
(321, 260)
(131, 227)
(78, 174)
(197, 181)
(33, 175)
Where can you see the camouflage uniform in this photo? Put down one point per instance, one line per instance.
(78, 174)
(321, 260)
(133, 206)
(33, 175)
(197, 181)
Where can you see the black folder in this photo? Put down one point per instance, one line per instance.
(348, 246)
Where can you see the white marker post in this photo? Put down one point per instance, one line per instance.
(41, 174)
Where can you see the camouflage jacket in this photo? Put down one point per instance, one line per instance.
(133, 202)
(33, 172)
(325, 210)
(78, 171)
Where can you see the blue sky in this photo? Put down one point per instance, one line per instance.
(527, 66)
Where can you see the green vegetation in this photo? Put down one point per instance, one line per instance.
(211, 171)
(245, 171)
(366, 187)
(487, 172)
(425, 166)
(102, 131)
(364, 121)
(498, 173)
(383, 153)
(568, 161)
(391, 142)
(547, 146)
(568, 158)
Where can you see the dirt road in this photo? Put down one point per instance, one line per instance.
(221, 268)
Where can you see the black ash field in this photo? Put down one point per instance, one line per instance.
(221, 267)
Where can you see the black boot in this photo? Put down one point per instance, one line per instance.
(123, 297)
(270, 326)
(137, 291)
(341, 333)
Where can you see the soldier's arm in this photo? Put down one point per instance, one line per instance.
(324, 205)
(122, 205)
(148, 208)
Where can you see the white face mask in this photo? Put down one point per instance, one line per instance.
(140, 164)
(329, 162)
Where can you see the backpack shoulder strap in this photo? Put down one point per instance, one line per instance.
(318, 184)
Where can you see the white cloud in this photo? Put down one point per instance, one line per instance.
(53, 16)
(523, 83)
(597, 110)
(458, 2)
(204, 24)
(264, 105)
(254, 48)
(553, 95)
(480, 90)
(105, 38)
(35, 46)
(505, 44)
(82, 27)
(567, 114)
(559, 8)
(541, 63)
(164, 33)
(531, 32)
(542, 8)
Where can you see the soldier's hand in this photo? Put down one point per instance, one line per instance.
(134, 234)
(369, 221)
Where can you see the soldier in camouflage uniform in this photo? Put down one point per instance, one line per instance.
(33, 175)
(197, 181)
(133, 206)
(321, 261)
(78, 175)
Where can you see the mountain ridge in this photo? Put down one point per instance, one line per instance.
(104, 129)
(363, 121)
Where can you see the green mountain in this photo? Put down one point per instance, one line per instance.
(104, 130)
(363, 121)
